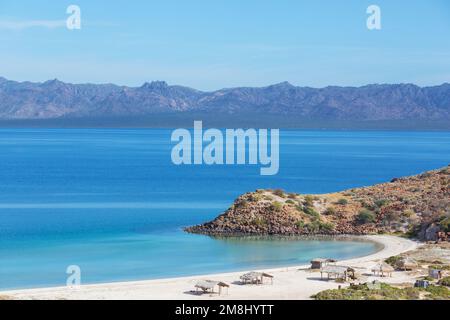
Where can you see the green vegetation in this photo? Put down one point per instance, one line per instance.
(277, 206)
(445, 281)
(290, 201)
(292, 196)
(384, 292)
(310, 211)
(342, 202)
(309, 201)
(381, 202)
(366, 216)
(300, 224)
(330, 211)
(393, 261)
(317, 225)
(440, 267)
(279, 192)
(242, 203)
(445, 224)
(260, 222)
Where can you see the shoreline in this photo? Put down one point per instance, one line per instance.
(292, 282)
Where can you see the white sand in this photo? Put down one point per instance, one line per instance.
(289, 283)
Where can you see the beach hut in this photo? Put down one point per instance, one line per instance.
(255, 277)
(208, 286)
(337, 272)
(319, 263)
(382, 269)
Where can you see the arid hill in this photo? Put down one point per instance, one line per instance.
(417, 205)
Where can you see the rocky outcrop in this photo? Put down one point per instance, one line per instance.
(418, 205)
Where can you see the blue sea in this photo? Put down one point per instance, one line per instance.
(112, 202)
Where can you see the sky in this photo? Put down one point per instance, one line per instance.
(213, 44)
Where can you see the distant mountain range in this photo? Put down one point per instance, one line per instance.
(54, 100)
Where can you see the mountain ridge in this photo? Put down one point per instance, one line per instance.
(54, 99)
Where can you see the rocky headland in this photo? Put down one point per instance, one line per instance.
(417, 206)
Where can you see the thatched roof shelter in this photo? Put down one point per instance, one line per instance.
(337, 272)
(318, 263)
(383, 269)
(256, 277)
(209, 286)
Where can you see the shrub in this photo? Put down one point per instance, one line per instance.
(292, 196)
(330, 211)
(327, 226)
(309, 201)
(445, 281)
(314, 226)
(342, 201)
(393, 261)
(381, 202)
(300, 224)
(277, 206)
(310, 211)
(445, 224)
(260, 222)
(290, 201)
(366, 216)
(279, 192)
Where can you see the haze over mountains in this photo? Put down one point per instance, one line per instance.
(387, 102)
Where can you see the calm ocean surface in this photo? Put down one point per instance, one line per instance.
(112, 202)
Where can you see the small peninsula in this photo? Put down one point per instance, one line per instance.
(416, 206)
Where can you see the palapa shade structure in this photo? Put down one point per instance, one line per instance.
(383, 269)
(337, 272)
(207, 286)
(256, 277)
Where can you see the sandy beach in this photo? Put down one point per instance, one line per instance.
(289, 283)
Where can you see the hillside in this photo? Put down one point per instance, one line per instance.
(55, 99)
(417, 205)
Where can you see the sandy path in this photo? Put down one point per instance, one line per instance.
(289, 283)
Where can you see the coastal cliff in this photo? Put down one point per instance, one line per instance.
(417, 206)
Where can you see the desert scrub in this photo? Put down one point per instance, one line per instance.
(384, 292)
(445, 281)
(279, 192)
(292, 196)
(309, 201)
(277, 206)
(445, 224)
(366, 216)
(260, 222)
(330, 211)
(437, 293)
(290, 201)
(300, 224)
(445, 267)
(381, 202)
(310, 211)
(342, 201)
(393, 261)
(316, 226)
(242, 203)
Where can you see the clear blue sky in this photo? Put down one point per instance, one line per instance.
(210, 44)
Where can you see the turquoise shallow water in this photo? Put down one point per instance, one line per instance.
(112, 202)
